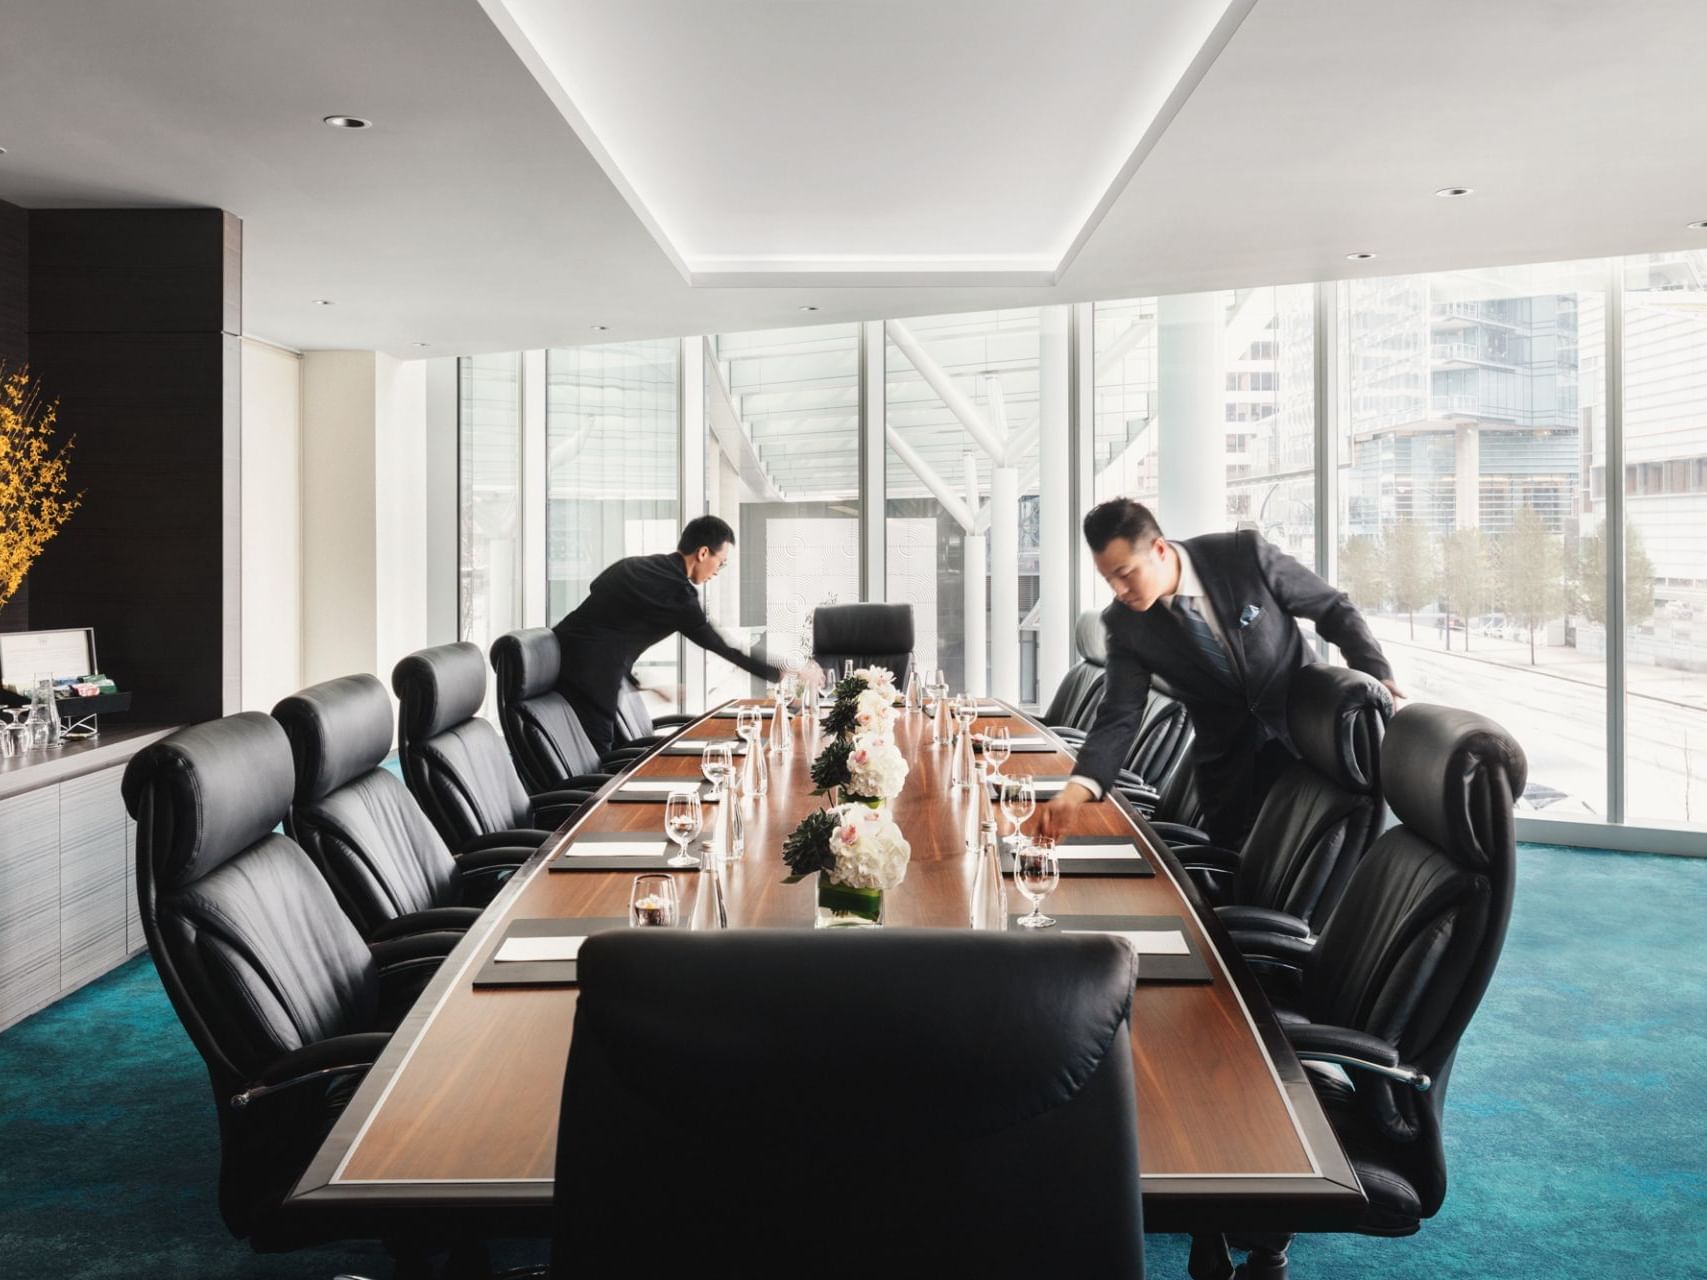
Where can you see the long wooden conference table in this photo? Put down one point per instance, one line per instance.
(460, 1112)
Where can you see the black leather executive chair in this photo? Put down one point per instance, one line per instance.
(1377, 1006)
(1319, 818)
(550, 749)
(873, 635)
(1079, 694)
(285, 1002)
(457, 766)
(822, 1072)
(388, 867)
(637, 726)
(1161, 749)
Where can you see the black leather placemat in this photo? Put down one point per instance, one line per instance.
(542, 973)
(617, 795)
(581, 853)
(1135, 866)
(1186, 968)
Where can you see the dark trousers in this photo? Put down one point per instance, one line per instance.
(1232, 790)
(598, 722)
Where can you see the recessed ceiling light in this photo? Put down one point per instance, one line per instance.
(420, 344)
(1359, 257)
(348, 122)
(808, 307)
(322, 302)
(598, 328)
(1691, 226)
(1451, 193)
(2, 151)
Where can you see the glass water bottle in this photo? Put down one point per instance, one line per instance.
(989, 891)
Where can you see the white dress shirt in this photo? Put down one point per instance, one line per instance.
(1191, 587)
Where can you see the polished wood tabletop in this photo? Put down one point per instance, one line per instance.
(462, 1107)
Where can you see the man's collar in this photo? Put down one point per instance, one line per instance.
(1189, 583)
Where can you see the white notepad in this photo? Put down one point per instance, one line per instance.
(623, 848)
(1147, 942)
(1101, 852)
(562, 947)
(659, 786)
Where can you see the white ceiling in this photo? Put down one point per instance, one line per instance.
(474, 217)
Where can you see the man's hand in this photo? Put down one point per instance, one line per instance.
(811, 676)
(1393, 688)
(1055, 818)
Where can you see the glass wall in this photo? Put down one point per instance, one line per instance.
(1665, 530)
(1475, 401)
(612, 437)
(782, 467)
(489, 506)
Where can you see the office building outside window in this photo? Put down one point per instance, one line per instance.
(489, 507)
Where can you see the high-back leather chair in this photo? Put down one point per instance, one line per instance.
(1164, 740)
(1389, 987)
(872, 635)
(457, 766)
(1079, 694)
(387, 865)
(1318, 819)
(281, 997)
(939, 1076)
(551, 750)
(636, 726)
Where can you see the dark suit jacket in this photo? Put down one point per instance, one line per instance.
(629, 607)
(1240, 571)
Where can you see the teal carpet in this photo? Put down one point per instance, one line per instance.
(1576, 1122)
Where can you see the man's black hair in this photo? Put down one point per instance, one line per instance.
(705, 531)
(1120, 518)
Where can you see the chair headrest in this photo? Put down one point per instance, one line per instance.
(863, 628)
(1451, 776)
(527, 663)
(438, 688)
(1337, 718)
(338, 730)
(216, 788)
(1090, 639)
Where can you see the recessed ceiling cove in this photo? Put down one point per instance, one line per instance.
(882, 142)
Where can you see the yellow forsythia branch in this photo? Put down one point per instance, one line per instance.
(33, 502)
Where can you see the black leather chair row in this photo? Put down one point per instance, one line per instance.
(1073, 708)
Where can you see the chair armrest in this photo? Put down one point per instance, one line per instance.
(321, 1060)
(671, 721)
(1069, 734)
(1178, 833)
(514, 838)
(1349, 1047)
(1262, 920)
(480, 875)
(1204, 857)
(552, 808)
(1275, 950)
(412, 952)
(432, 920)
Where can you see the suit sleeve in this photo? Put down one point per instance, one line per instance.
(1305, 595)
(1127, 691)
(696, 627)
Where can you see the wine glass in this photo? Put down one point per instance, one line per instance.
(998, 747)
(847, 668)
(748, 722)
(1036, 873)
(717, 763)
(1019, 802)
(652, 901)
(683, 821)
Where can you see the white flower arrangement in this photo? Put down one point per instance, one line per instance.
(868, 849)
(874, 712)
(877, 678)
(876, 767)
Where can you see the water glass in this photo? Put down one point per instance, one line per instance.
(911, 697)
(748, 722)
(1036, 873)
(1019, 802)
(998, 747)
(652, 902)
(717, 763)
(847, 668)
(683, 821)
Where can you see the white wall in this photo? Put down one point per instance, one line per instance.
(271, 540)
(400, 510)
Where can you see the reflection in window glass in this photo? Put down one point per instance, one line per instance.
(1466, 523)
(1665, 553)
(782, 467)
(611, 429)
(939, 478)
(489, 465)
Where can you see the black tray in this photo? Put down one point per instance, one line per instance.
(1186, 968)
(542, 973)
(1138, 866)
(568, 861)
(616, 795)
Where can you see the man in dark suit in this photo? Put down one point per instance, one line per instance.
(1213, 617)
(631, 606)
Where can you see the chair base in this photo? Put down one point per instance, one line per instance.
(1211, 1258)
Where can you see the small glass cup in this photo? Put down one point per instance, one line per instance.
(1036, 873)
(683, 821)
(998, 747)
(652, 902)
(1019, 802)
(717, 763)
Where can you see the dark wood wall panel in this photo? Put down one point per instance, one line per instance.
(128, 313)
(15, 348)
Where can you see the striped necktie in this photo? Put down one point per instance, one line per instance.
(1203, 637)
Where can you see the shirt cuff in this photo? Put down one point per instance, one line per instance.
(1089, 784)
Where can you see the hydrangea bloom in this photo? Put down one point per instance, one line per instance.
(870, 851)
(874, 712)
(876, 767)
(877, 678)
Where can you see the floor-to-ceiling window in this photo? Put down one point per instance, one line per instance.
(1474, 406)
(1665, 524)
(489, 503)
(782, 466)
(612, 438)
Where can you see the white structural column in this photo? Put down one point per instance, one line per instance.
(1192, 409)
(1003, 550)
(691, 415)
(1055, 520)
(974, 560)
(535, 481)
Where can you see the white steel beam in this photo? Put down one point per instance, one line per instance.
(941, 383)
(951, 503)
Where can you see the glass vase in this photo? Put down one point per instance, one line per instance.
(840, 907)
